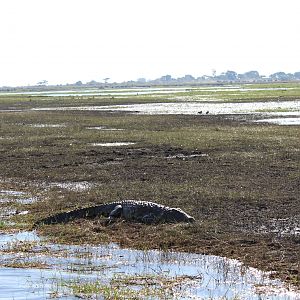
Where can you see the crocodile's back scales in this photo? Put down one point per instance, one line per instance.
(139, 211)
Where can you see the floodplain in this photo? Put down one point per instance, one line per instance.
(233, 170)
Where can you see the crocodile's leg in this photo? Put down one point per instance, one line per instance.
(115, 213)
(148, 219)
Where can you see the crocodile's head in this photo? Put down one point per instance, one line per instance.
(178, 215)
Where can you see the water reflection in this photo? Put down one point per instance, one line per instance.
(198, 276)
(103, 92)
(10, 196)
(144, 91)
(192, 108)
(281, 121)
(113, 144)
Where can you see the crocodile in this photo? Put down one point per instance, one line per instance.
(130, 210)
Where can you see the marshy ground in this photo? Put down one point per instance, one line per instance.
(239, 179)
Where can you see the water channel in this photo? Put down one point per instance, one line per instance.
(143, 91)
(31, 268)
(286, 112)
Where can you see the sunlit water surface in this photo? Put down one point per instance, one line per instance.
(205, 276)
(279, 109)
(143, 91)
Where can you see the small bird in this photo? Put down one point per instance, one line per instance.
(207, 112)
(200, 112)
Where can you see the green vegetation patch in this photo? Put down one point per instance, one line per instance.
(146, 286)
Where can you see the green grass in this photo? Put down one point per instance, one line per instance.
(3, 225)
(245, 93)
(147, 286)
(248, 92)
(88, 290)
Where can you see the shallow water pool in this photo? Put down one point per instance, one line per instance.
(191, 108)
(113, 144)
(189, 276)
(281, 121)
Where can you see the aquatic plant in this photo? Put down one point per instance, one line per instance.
(145, 286)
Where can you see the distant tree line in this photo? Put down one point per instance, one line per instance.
(223, 78)
(230, 76)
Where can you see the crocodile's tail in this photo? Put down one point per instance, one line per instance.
(64, 217)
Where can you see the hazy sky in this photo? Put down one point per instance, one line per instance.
(69, 40)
